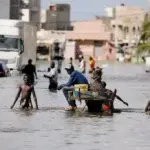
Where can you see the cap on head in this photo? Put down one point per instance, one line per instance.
(70, 69)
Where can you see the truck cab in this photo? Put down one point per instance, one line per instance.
(11, 47)
(17, 43)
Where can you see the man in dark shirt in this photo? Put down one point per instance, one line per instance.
(30, 71)
(75, 78)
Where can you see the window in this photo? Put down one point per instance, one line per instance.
(61, 8)
(53, 8)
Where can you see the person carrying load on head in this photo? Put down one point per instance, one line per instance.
(75, 78)
(53, 77)
(25, 90)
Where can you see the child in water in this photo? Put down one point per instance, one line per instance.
(25, 91)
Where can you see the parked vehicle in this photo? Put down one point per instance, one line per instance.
(17, 43)
(4, 71)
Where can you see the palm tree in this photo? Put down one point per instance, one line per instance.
(144, 44)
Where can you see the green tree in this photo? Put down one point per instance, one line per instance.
(144, 43)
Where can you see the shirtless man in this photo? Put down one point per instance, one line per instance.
(25, 91)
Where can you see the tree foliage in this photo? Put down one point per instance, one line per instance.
(144, 43)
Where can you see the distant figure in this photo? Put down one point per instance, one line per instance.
(53, 77)
(92, 64)
(57, 54)
(25, 91)
(147, 109)
(82, 64)
(30, 71)
(71, 63)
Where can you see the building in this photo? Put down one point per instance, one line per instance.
(50, 37)
(26, 10)
(57, 17)
(126, 25)
(92, 39)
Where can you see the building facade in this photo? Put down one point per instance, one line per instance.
(92, 39)
(26, 10)
(126, 25)
(57, 17)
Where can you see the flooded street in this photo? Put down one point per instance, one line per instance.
(53, 128)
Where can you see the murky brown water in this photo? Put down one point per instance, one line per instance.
(53, 128)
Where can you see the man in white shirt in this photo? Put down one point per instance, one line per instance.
(53, 77)
(82, 65)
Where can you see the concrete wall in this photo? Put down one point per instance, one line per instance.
(51, 36)
(63, 17)
(59, 18)
(4, 9)
(87, 47)
(89, 26)
(127, 24)
(11, 10)
(107, 55)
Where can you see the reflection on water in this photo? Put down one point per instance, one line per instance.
(53, 128)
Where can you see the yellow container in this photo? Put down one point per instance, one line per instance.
(83, 88)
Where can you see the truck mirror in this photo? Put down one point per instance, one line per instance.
(2, 38)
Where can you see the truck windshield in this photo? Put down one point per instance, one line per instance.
(9, 44)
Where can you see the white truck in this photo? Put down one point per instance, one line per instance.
(17, 43)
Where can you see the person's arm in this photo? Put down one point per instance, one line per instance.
(17, 96)
(120, 99)
(51, 74)
(35, 98)
(70, 82)
(35, 72)
(46, 76)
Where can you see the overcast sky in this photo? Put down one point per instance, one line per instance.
(87, 9)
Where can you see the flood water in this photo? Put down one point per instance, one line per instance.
(52, 128)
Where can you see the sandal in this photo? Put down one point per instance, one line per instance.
(71, 109)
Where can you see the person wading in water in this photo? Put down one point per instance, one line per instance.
(25, 91)
(30, 71)
(53, 77)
